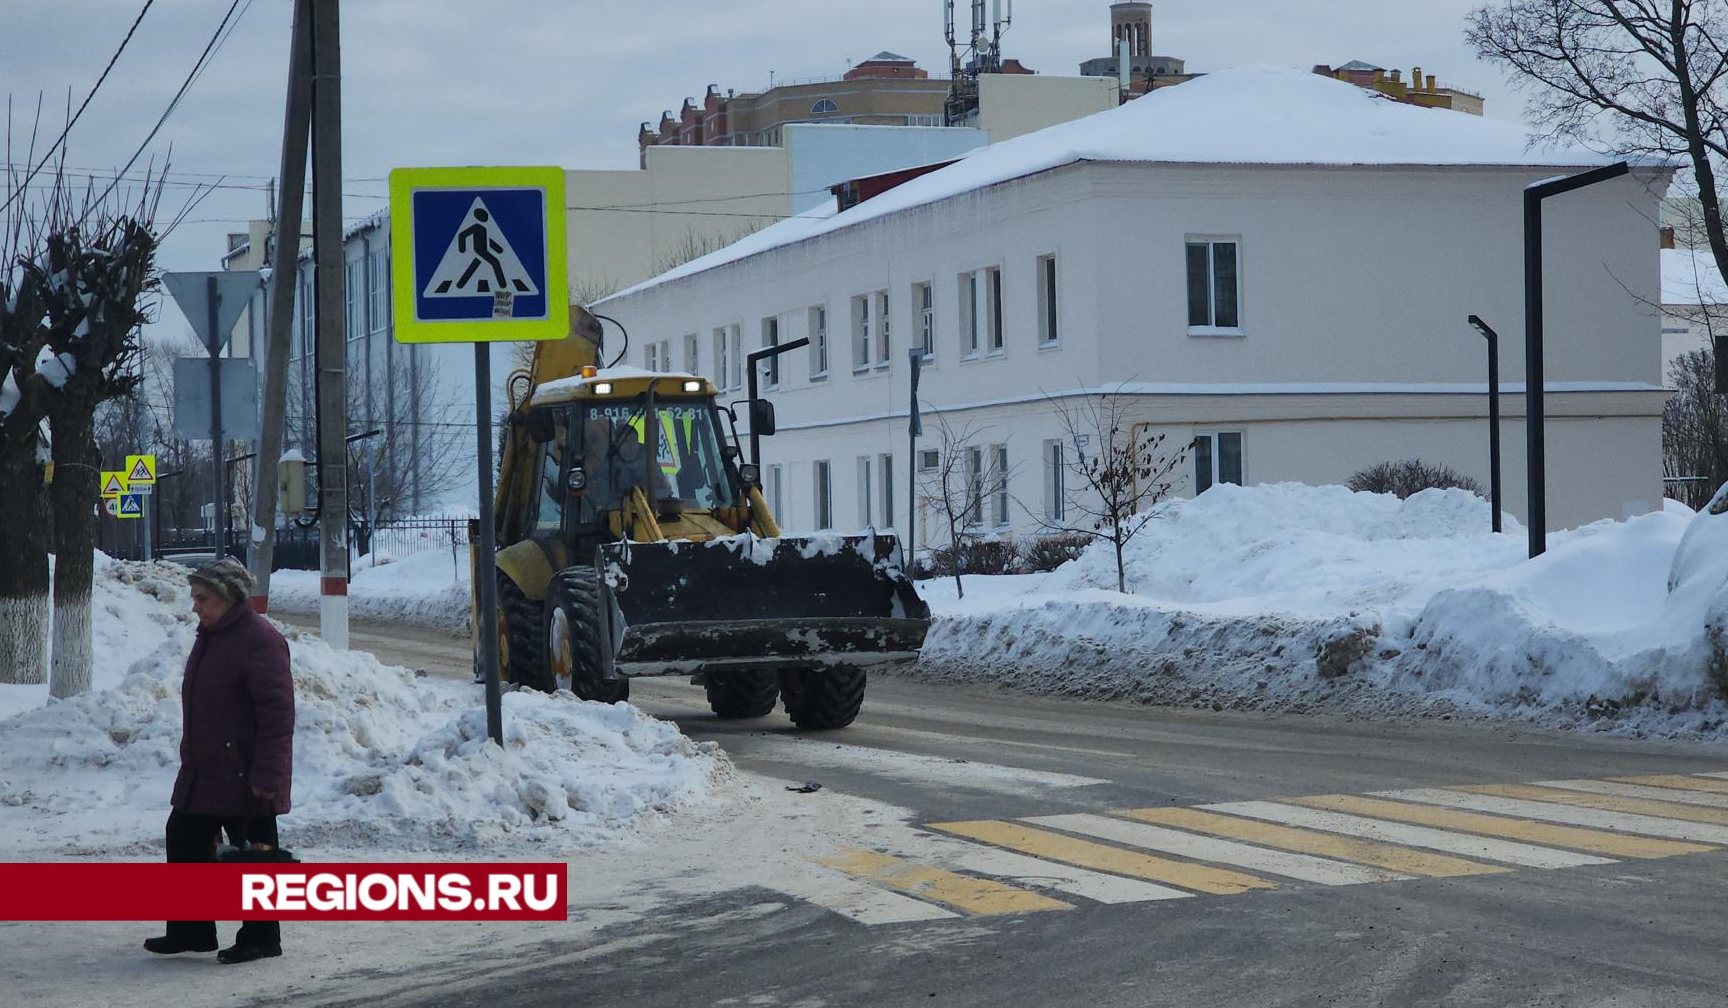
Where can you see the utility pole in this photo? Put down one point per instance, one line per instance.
(284, 270)
(218, 470)
(332, 372)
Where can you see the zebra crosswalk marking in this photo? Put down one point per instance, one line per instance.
(1712, 799)
(1044, 844)
(1521, 854)
(1719, 775)
(858, 899)
(1610, 803)
(1625, 822)
(1305, 867)
(1389, 856)
(1595, 841)
(1031, 871)
(974, 895)
(1717, 782)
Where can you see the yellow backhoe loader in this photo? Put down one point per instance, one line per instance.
(634, 540)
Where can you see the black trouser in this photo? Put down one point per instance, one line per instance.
(192, 838)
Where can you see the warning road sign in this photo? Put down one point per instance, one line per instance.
(131, 506)
(141, 469)
(113, 483)
(479, 254)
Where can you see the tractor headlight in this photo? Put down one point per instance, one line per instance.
(603, 388)
(692, 386)
(578, 480)
(750, 473)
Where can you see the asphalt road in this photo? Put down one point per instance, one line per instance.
(1638, 928)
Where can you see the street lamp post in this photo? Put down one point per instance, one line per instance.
(1536, 442)
(1493, 339)
(765, 353)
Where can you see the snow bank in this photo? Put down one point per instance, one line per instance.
(1295, 597)
(382, 758)
(426, 589)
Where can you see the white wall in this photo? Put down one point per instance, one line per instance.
(824, 155)
(1349, 276)
(1013, 104)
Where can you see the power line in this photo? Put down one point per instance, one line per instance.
(86, 104)
(209, 49)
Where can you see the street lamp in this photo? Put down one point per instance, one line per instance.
(1536, 452)
(1493, 339)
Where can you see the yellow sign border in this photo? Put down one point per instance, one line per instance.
(404, 182)
(102, 484)
(149, 464)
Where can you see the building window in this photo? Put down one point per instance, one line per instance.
(728, 357)
(1217, 459)
(866, 495)
(999, 485)
(771, 338)
(651, 357)
(308, 316)
(885, 476)
(824, 510)
(924, 302)
(824, 106)
(1214, 285)
(929, 460)
(776, 493)
(925, 120)
(993, 310)
(1055, 482)
(354, 297)
(721, 357)
(665, 355)
(861, 332)
(378, 289)
(818, 343)
(969, 315)
(1047, 329)
(692, 354)
(882, 348)
(974, 487)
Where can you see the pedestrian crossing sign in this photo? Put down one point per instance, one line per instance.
(113, 483)
(131, 506)
(478, 254)
(141, 470)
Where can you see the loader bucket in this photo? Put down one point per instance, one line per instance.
(743, 602)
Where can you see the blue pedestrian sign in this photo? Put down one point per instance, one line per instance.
(131, 506)
(478, 254)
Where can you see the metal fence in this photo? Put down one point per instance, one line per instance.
(297, 548)
(398, 539)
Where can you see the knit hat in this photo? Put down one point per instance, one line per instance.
(226, 577)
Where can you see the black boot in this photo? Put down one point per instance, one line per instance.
(241, 952)
(167, 945)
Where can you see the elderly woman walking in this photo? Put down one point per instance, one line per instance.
(236, 748)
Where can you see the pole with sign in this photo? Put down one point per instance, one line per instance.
(914, 427)
(478, 256)
(141, 480)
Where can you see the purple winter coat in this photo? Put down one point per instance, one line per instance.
(238, 704)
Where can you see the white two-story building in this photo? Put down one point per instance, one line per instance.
(1277, 267)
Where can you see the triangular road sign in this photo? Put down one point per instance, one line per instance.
(113, 484)
(191, 291)
(479, 261)
(131, 506)
(140, 469)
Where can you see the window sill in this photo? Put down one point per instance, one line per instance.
(1226, 332)
(859, 369)
(968, 358)
(1048, 345)
(883, 365)
(822, 377)
(997, 353)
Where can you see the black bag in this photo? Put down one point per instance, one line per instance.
(230, 854)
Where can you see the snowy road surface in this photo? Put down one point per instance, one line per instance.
(978, 846)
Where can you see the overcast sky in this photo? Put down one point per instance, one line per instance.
(442, 82)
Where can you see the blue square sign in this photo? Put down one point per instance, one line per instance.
(478, 254)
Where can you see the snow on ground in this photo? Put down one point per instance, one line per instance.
(383, 759)
(428, 589)
(1296, 597)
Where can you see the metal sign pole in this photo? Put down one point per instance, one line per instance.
(485, 570)
(914, 427)
(219, 509)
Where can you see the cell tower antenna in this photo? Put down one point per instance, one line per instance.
(978, 52)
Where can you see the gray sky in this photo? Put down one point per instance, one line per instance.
(441, 82)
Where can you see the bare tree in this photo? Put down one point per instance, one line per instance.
(1639, 77)
(1121, 481)
(1694, 431)
(694, 245)
(965, 474)
(424, 440)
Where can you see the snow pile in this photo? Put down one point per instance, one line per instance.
(1294, 597)
(428, 589)
(382, 758)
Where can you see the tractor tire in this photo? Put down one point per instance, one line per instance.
(742, 694)
(572, 624)
(823, 699)
(521, 641)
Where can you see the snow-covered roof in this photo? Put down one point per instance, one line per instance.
(1254, 115)
(1690, 277)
